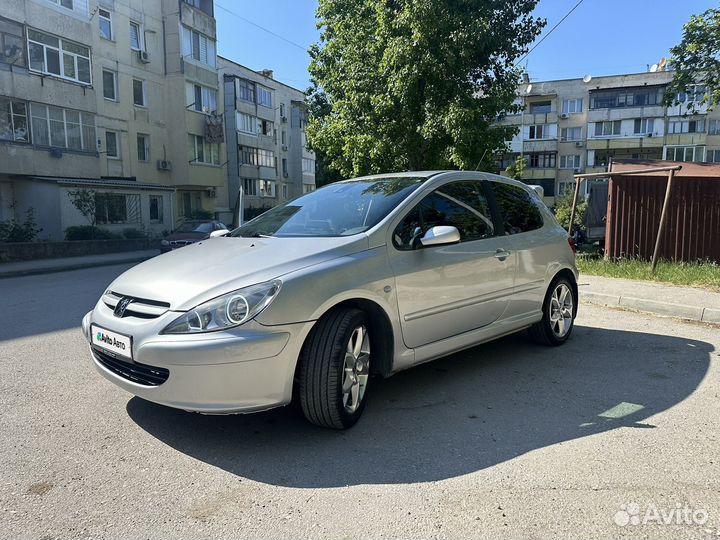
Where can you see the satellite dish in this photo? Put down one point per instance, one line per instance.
(587, 78)
(654, 68)
(528, 89)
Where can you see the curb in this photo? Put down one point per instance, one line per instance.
(75, 266)
(665, 309)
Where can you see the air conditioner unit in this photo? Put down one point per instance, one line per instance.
(144, 57)
(211, 193)
(565, 115)
(579, 144)
(284, 147)
(163, 165)
(283, 119)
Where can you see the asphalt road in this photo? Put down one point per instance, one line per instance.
(505, 440)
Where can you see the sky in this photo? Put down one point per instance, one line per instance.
(601, 37)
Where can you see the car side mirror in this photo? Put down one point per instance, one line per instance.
(440, 236)
(219, 232)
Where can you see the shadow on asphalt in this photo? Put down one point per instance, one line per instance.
(453, 416)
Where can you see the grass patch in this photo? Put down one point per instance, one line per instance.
(700, 274)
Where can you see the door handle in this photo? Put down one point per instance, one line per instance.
(501, 254)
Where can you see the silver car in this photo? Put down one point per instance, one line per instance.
(313, 298)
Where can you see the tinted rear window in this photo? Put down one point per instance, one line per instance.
(518, 210)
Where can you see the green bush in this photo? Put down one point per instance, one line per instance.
(88, 232)
(14, 231)
(563, 207)
(132, 233)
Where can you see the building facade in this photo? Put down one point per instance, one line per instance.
(117, 96)
(572, 126)
(268, 159)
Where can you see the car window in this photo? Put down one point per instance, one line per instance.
(518, 209)
(460, 204)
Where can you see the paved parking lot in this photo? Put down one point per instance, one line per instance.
(615, 434)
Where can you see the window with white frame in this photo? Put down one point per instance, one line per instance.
(644, 125)
(201, 98)
(245, 90)
(198, 46)
(679, 125)
(139, 97)
(201, 151)
(685, 153)
(60, 57)
(105, 23)
(143, 147)
(13, 120)
(571, 106)
(117, 208)
(571, 134)
(539, 107)
(246, 123)
(564, 187)
(264, 96)
(250, 186)
(267, 188)
(247, 155)
(713, 156)
(539, 131)
(80, 7)
(62, 128)
(570, 162)
(136, 37)
(606, 129)
(542, 160)
(694, 95)
(156, 209)
(266, 158)
(308, 166)
(12, 42)
(112, 148)
(266, 127)
(307, 188)
(714, 127)
(109, 79)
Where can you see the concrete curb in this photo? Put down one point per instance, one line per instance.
(665, 309)
(67, 267)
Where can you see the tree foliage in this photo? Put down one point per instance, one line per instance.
(84, 201)
(516, 170)
(415, 84)
(563, 209)
(697, 58)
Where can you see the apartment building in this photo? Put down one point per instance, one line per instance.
(268, 159)
(117, 96)
(579, 125)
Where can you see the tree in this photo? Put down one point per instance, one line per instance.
(84, 201)
(697, 59)
(563, 209)
(516, 170)
(415, 84)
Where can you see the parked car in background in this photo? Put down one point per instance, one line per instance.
(192, 231)
(359, 278)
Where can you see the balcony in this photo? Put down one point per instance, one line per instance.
(687, 139)
(650, 111)
(539, 174)
(624, 142)
(540, 118)
(543, 145)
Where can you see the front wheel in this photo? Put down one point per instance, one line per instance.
(335, 369)
(559, 310)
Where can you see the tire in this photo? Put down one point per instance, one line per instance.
(333, 380)
(551, 330)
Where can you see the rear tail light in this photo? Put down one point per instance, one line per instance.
(571, 241)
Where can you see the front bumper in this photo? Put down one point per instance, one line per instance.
(246, 370)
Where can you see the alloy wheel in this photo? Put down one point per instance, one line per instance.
(561, 310)
(356, 369)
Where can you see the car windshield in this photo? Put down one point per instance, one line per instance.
(194, 226)
(340, 209)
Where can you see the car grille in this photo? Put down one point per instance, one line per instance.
(141, 308)
(137, 373)
(181, 243)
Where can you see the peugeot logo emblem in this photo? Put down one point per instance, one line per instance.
(121, 306)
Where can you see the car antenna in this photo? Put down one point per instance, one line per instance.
(481, 160)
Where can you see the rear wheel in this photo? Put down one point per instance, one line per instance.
(335, 369)
(559, 310)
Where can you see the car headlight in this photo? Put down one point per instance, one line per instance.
(226, 311)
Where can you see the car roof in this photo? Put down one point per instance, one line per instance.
(444, 174)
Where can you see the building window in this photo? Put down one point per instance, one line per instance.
(570, 162)
(59, 57)
(266, 127)
(201, 151)
(136, 37)
(249, 187)
(626, 97)
(539, 107)
(543, 160)
(604, 129)
(695, 95)
(714, 127)
(677, 126)
(156, 209)
(13, 120)
(245, 90)
(143, 147)
(191, 202)
(198, 47)
(283, 137)
(247, 155)
(564, 187)
(285, 191)
(78, 7)
(307, 188)
(139, 93)
(264, 96)
(713, 156)
(266, 158)
(117, 208)
(540, 131)
(109, 84)
(571, 106)
(685, 153)
(308, 166)
(12, 42)
(644, 125)
(571, 134)
(62, 128)
(284, 167)
(267, 188)
(201, 98)
(111, 145)
(246, 123)
(105, 22)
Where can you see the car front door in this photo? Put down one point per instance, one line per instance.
(448, 290)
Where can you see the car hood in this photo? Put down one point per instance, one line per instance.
(187, 236)
(187, 277)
